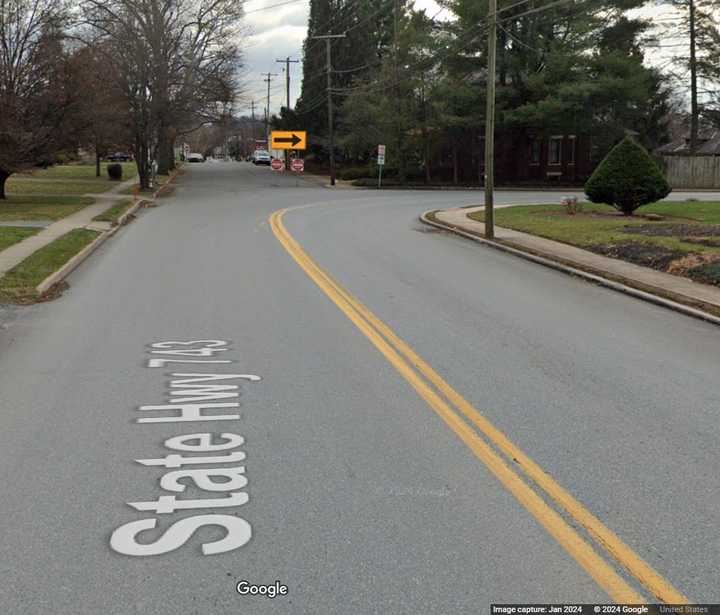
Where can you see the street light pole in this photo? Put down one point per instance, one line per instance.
(331, 135)
(490, 124)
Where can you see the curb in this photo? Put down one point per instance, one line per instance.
(64, 271)
(67, 268)
(129, 212)
(591, 277)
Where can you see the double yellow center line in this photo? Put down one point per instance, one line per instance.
(480, 436)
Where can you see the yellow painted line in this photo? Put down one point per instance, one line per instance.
(606, 538)
(583, 553)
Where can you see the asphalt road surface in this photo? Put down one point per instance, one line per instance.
(437, 426)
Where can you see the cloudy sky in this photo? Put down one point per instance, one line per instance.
(276, 33)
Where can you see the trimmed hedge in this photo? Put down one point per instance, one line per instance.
(627, 178)
(115, 171)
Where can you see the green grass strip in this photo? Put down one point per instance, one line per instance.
(10, 235)
(113, 213)
(18, 285)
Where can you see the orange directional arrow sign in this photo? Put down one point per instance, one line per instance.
(288, 139)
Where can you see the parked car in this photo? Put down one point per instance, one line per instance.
(262, 156)
(195, 157)
(120, 157)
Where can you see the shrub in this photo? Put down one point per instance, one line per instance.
(627, 178)
(350, 173)
(115, 171)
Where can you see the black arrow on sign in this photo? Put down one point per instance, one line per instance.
(294, 140)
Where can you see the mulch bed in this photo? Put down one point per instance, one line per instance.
(674, 230)
(647, 255)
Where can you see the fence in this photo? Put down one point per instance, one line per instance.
(692, 171)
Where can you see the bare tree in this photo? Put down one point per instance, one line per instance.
(31, 97)
(176, 60)
(101, 119)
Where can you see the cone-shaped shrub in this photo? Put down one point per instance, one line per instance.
(627, 178)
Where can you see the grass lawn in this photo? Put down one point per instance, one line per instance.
(18, 285)
(113, 213)
(40, 207)
(685, 241)
(23, 184)
(66, 179)
(10, 235)
(83, 171)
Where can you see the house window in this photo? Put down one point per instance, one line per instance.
(572, 141)
(534, 151)
(555, 150)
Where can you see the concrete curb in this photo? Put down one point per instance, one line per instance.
(130, 212)
(591, 277)
(64, 271)
(69, 267)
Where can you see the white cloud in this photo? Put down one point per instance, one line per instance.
(278, 33)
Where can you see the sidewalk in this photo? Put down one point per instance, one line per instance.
(17, 253)
(647, 280)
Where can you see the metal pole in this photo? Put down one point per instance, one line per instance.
(490, 124)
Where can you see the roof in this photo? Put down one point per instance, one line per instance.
(708, 145)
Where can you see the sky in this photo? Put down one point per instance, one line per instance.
(274, 34)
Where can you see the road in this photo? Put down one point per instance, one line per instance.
(368, 479)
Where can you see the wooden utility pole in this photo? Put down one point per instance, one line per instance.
(694, 113)
(287, 61)
(490, 124)
(267, 80)
(328, 38)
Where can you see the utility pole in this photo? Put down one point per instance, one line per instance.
(694, 114)
(267, 80)
(252, 106)
(331, 135)
(490, 124)
(287, 61)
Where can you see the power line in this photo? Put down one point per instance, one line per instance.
(272, 6)
(540, 9)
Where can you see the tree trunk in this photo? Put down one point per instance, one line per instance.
(97, 162)
(164, 150)
(3, 178)
(141, 161)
